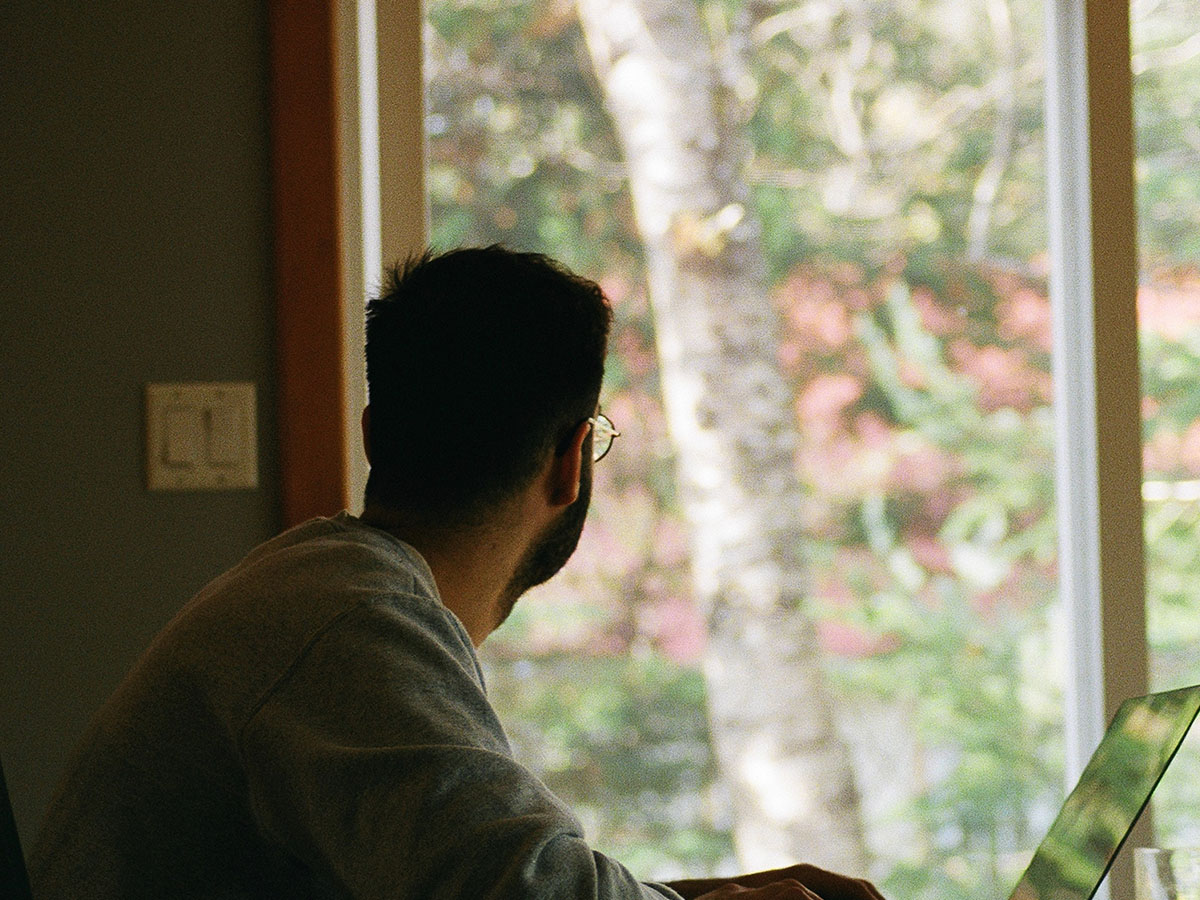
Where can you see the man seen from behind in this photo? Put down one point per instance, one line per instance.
(314, 723)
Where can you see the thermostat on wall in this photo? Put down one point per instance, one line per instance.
(201, 436)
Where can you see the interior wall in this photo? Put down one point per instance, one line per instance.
(135, 236)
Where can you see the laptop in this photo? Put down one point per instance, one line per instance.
(1114, 788)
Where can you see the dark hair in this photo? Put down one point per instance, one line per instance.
(480, 361)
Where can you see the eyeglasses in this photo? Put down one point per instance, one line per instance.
(603, 432)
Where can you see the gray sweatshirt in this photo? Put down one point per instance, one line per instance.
(312, 724)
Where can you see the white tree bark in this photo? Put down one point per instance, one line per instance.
(729, 411)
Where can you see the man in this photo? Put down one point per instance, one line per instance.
(314, 723)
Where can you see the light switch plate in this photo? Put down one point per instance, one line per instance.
(201, 436)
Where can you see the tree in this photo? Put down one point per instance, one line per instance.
(729, 414)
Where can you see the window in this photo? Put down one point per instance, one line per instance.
(921, 375)
(862, 420)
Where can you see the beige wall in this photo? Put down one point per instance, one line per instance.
(135, 240)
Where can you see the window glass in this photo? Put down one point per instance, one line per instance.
(813, 612)
(1166, 69)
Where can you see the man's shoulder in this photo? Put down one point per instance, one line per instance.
(314, 572)
(336, 550)
(246, 628)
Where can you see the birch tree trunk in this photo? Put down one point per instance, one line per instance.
(729, 412)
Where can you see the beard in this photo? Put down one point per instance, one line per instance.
(551, 549)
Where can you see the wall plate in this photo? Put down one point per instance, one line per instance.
(201, 436)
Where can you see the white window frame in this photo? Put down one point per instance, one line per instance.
(1097, 400)
(385, 214)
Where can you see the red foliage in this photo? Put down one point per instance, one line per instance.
(939, 318)
(930, 554)
(1170, 306)
(923, 470)
(677, 629)
(825, 398)
(1024, 317)
(852, 642)
(1004, 376)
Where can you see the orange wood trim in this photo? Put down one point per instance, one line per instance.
(310, 358)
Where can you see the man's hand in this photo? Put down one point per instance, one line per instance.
(802, 882)
(788, 889)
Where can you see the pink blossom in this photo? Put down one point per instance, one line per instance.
(615, 287)
(1025, 316)
(850, 641)
(873, 431)
(936, 316)
(833, 590)
(826, 396)
(638, 358)
(671, 547)
(912, 375)
(1189, 451)
(814, 310)
(1171, 306)
(923, 470)
(1160, 454)
(1004, 377)
(624, 410)
(790, 353)
(930, 553)
(678, 629)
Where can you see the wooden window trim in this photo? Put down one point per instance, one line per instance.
(308, 248)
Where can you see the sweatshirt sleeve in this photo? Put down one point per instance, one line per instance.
(377, 763)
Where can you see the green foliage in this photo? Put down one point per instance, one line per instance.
(520, 152)
(626, 739)
(1167, 107)
(915, 336)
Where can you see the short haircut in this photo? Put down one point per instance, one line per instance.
(480, 362)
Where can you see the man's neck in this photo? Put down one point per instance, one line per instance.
(472, 566)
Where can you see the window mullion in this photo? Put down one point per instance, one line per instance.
(385, 215)
(1089, 137)
(404, 212)
(358, 120)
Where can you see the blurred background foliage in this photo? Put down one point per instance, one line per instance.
(895, 155)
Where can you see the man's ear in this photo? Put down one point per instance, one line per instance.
(566, 468)
(366, 432)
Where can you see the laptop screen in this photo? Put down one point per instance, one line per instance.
(1113, 790)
